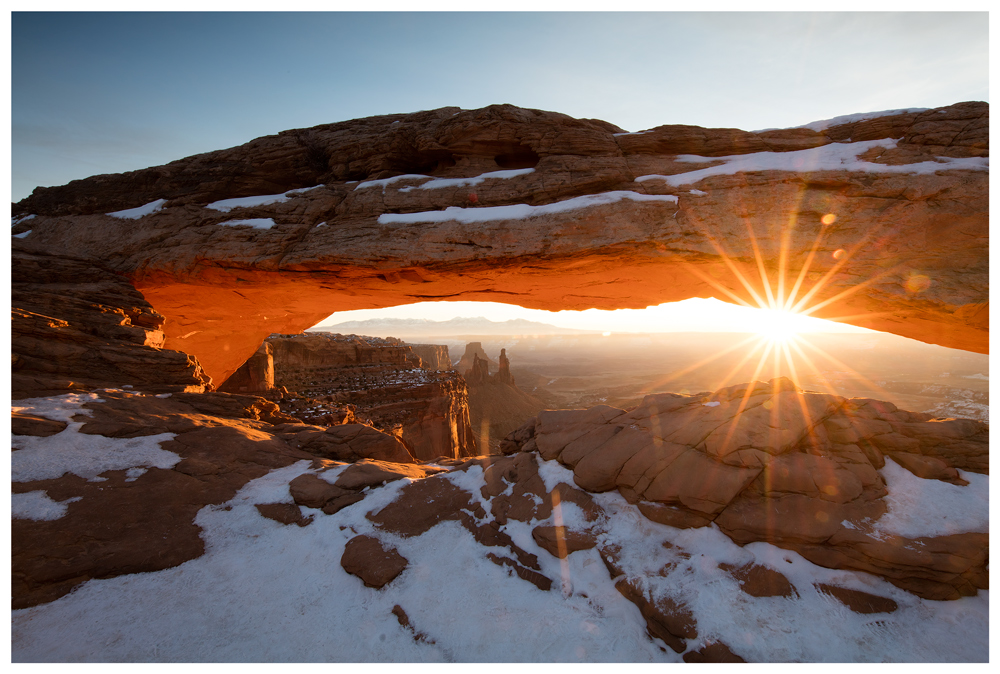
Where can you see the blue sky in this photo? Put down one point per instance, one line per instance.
(110, 92)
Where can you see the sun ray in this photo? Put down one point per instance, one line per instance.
(732, 267)
(746, 397)
(725, 379)
(804, 271)
(850, 291)
(847, 368)
(715, 284)
(690, 368)
(785, 301)
(819, 285)
(846, 318)
(760, 267)
(821, 381)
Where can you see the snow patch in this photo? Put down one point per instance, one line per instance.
(519, 211)
(553, 472)
(256, 223)
(18, 220)
(714, 403)
(139, 212)
(388, 181)
(831, 157)
(824, 124)
(21, 235)
(440, 183)
(919, 507)
(226, 205)
(697, 193)
(978, 376)
(69, 451)
(36, 505)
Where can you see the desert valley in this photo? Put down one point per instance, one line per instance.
(201, 472)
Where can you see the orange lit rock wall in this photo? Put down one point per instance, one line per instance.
(881, 223)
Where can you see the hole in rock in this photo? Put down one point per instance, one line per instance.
(516, 361)
(423, 162)
(519, 157)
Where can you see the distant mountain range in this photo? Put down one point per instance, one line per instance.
(422, 327)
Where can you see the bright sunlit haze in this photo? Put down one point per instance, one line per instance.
(692, 315)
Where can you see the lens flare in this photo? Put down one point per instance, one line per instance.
(917, 283)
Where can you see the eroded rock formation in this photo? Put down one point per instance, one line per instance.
(141, 520)
(254, 376)
(433, 356)
(380, 380)
(770, 462)
(496, 405)
(883, 220)
(75, 325)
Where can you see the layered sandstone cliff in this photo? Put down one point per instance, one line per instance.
(380, 380)
(434, 356)
(75, 325)
(879, 220)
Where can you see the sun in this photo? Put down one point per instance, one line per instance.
(779, 325)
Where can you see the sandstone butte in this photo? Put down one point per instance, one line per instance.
(880, 222)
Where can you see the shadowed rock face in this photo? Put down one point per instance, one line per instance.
(884, 221)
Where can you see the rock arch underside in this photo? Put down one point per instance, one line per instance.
(545, 211)
(143, 292)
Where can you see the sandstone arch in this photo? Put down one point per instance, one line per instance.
(604, 219)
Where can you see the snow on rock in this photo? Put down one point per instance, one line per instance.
(824, 124)
(226, 205)
(21, 235)
(519, 211)
(468, 182)
(389, 181)
(256, 223)
(69, 451)
(141, 211)
(831, 157)
(36, 505)
(20, 219)
(919, 507)
(810, 627)
(267, 592)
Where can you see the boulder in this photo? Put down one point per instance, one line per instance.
(858, 601)
(760, 581)
(375, 564)
(666, 618)
(561, 542)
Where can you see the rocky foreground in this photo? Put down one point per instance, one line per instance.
(729, 526)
